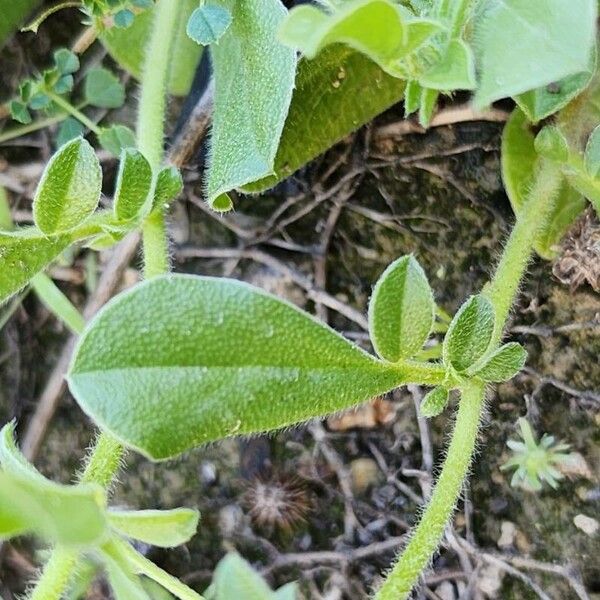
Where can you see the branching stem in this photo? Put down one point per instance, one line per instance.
(426, 538)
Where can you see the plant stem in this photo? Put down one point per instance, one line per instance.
(16, 132)
(68, 107)
(150, 129)
(56, 576)
(428, 534)
(532, 220)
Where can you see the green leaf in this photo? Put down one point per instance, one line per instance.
(66, 61)
(69, 129)
(19, 112)
(127, 47)
(469, 333)
(164, 528)
(14, 15)
(69, 190)
(208, 23)
(551, 143)
(117, 138)
(103, 89)
(429, 98)
(31, 503)
(401, 310)
(592, 154)
(124, 18)
(380, 29)
(289, 591)
(23, 254)
(39, 101)
(134, 182)
(555, 40)
(456, 70)
(324, 108)
(235, 578)
(223, 336)
(254, 80)
(503, 364)
(124, 584)
(519, 164)
(412, 97)
(542, 102)
(434, 402)
(169, 184)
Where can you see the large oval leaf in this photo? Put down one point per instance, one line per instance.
(182, 360)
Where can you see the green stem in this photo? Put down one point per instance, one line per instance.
(531, 222)
(16, 132)
(68, 107)
(56, 576)
(150, 129)
(428, 534)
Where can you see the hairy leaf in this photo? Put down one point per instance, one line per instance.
(164, 528)
(324, 108)
(434, 402)
(519, 164)
(379, 29)
(124, 584)
(254, 80)
(235, 578)
(469, 333)
(503, 364)
(162, 365)
(456, 70)
(103, 89)
(69, 190)
(551, 143)
(169, 184)
(127, 47)
(401, 311)
(592, 154)
(23, 254)
(31, 503)
(133, 185)
(555, 40)
(208, 23)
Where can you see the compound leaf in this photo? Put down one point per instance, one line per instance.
(401, 311)
(208, 23)
(103, 89)
(469, 333)
(164, 380)
(164, 528)
(254, 80)
(23, 254)
(555, 40)
(69, 190)
(504, 363)
(324, 108)
(133, 185)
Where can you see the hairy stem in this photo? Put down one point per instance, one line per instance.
(150, 130)
(104, 459)
(531, 222)
(427, 536)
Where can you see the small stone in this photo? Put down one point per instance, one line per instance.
(490, 580)
(508, 531)
(588, 525)
(208, 472)
(575, 466)
(364, 473)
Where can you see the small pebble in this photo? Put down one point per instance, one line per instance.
(587, 524)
